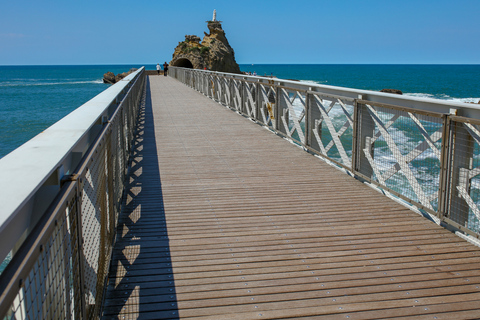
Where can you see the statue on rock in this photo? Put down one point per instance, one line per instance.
(212, 53)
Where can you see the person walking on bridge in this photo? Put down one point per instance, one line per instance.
(158, 68)
(165, 68)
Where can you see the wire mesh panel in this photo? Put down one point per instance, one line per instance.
(211, 86)
(268, 98)
(218, 92)
(291, 111)
(214, 88)
(331, 127)
(183, 76)
(191, 79)
(195, 81)
(249, 99)
(464, 191)
(119, 161)
(203, 83)
(225, 92)
(60, 270)
(402, 150)
(219, 88)
(52, 287)
(95, 216)
(236, 89)
(186, 78)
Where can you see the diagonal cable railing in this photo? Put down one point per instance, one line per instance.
(423, 151)
(61, 207)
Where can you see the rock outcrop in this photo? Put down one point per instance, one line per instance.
(395, 91)
(212, 53)
(111, 78)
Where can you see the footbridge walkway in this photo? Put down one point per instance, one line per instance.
(247, 207)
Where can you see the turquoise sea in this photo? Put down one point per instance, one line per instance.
(32, 98)
(449, 82)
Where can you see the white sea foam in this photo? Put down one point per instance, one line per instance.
(298, 106)
(336, 113)
(442, 97)
(35, 83)
(427, 154)
(313, 82)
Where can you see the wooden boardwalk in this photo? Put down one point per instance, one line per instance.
(225, 220)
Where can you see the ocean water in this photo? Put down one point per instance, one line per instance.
(32, 98)
(447, 82)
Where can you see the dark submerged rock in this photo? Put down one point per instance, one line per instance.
(395, 91)
(111, 78)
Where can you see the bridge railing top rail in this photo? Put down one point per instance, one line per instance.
(32, 174)
(428, 104)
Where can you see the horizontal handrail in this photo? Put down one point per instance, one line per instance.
(33, 172)
(59, 266)
(424, 151)
(428, 104)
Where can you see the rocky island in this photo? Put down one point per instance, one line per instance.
(212, 53)
(111, 78)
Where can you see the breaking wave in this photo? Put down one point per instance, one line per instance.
(45, 82)
(442, 97)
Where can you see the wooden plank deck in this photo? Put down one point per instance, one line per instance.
(225, 220)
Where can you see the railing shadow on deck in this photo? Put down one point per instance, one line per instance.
(141, 279)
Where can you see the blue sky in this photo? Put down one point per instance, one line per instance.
(303, 31)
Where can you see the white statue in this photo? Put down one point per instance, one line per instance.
(214, 15)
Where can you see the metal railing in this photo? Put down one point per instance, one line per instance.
(60, 220)
(424, 151)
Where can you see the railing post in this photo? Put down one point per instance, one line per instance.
(445, 167)
(281, 110)
(314, 124)
(311, 115)
(220, 93)
(461, 149)
(206, 84)
(80, 255)
(364, 130)
(243, 89)
(228, 91)
(214, 88)
(209, 86)
(219, 89)
(231, 89)
(276, 113)
(258, 103)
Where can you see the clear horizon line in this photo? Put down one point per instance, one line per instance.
(247, 63)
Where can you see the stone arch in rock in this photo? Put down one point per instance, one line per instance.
(183, 62)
